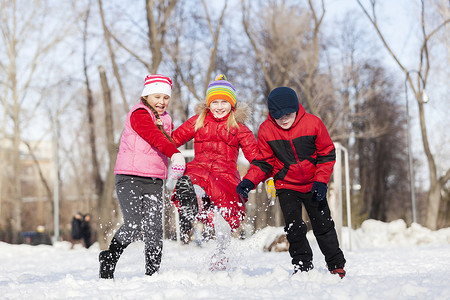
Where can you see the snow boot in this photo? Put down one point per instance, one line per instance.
(152, 260)
(339, 271)
(303, 267)
(184, 191)
(218, 263)
(185, 230)
(108, 258)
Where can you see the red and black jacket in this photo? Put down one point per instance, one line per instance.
(295, 157)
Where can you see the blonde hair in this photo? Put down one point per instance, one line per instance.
(231, 121)
(158, 119)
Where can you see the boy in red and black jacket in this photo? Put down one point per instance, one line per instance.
(297, 151)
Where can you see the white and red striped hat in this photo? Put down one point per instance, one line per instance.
(157, 84)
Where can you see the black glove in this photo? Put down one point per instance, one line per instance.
(319, 190)
(244, 187)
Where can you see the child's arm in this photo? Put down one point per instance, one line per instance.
(185, 132)
(143, 124)
(247, 142)
(326, 155)
(261, 167)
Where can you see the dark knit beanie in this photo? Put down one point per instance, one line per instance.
(281, 101)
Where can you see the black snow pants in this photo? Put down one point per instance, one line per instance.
(296, 229)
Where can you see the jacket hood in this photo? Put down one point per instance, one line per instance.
(242, 111)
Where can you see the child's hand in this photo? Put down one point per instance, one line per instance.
(177, 167)
(244, 187)
(319, 190)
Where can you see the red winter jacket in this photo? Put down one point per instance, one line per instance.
(214, 167)
(295, 157)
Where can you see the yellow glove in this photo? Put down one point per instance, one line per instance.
(271, 191)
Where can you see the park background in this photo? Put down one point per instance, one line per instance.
(375, 72)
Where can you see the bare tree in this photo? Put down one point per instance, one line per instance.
(112, 56)
(23, 49)
(194, 71)
(381, 166)
(278, 38)
(96, 176)
(105, 203)
(158, 14)
(417, 87)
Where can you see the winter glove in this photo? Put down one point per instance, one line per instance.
(319, 190)
(244, 187)
(271, 191)
(178, 166)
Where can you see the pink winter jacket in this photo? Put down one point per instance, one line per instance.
(136, 156)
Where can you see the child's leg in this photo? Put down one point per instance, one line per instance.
(152, 226)
(129, 191)
(324, 231)
(185, 193)
(223, 233)
(222, 229)
(296, 229)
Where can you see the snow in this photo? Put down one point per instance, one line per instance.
(385, 261)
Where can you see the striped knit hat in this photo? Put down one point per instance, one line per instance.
(157, 84)
(220, 88)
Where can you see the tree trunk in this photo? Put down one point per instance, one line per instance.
(17, 194)
(105, 203)
(434, 200)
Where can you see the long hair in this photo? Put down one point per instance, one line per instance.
(231, 121)
(159, 122)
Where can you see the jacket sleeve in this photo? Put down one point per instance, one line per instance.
(247, 142)
(185, 132)
(326, 154)
(262, 166)
(143, 124)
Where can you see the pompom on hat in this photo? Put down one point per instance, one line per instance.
(221, 88)
(157, 84)
(282, 101)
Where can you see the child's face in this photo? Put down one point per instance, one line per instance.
(286, 121)
(220, 108)
(158, 101)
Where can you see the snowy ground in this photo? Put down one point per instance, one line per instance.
(386, 261)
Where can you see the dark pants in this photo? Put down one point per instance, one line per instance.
(296, 229)
(141, 202)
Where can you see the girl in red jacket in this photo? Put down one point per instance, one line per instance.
(209, 184)
(141, 165)
(297, 151)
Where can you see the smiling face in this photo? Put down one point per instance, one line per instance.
(220, 108)
(158, 101)
(286, 121)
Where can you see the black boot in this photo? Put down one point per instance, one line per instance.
(303, 267)
(185, 230)
(184, 190)
(108, 258)
(152, 260)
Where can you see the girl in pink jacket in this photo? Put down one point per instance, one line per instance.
(141, 166)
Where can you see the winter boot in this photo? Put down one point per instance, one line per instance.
(218, 263)
(185, 230)
(303, 267)
(108, 258)
(184, 190)
(340, 272)
(152, 260)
